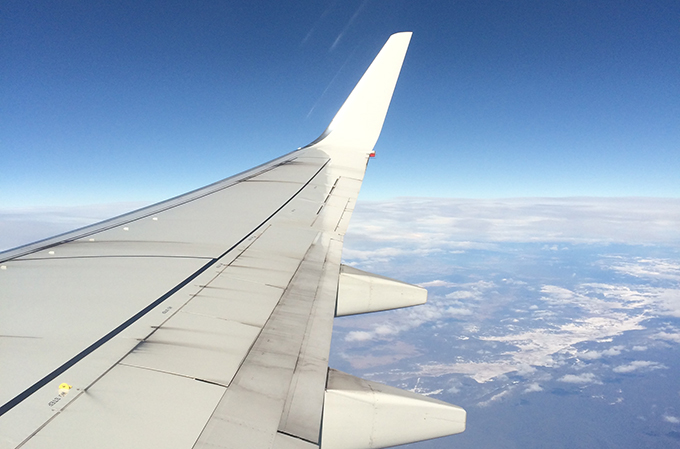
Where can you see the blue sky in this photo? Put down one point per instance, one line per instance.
(139, 101)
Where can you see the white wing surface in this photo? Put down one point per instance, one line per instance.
(205, 321)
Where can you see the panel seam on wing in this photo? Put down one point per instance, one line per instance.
(94, 346)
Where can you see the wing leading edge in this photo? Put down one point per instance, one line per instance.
(205, 320)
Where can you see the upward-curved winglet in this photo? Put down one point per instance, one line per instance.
(357, 125)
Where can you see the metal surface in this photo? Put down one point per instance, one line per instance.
(250, 411)
(357, 125)
(202, 321)
(304, 403)
(363, 292)
(96, 294)
(133, 408)
(359, 414)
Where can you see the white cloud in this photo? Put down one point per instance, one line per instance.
(671, 419)
(514, 282)
(649, 268)
(537, 347)
(614, 350)
(479, 285)
(657, 300)
(359, 336)
(460, 223)
(606, 313)
(669, 300)
(434, 312)
(454, 311)
(384, 330)
(585, 378)
(533, 387)
(525, 370)
(594, 355)
(384, 253)
(545, 347)
(565, 316)
(441, 224)
(675, 337)
(437, 283)
(461, 295)
(481, 372)
(406, 319)
(471, 290)
(590, 355)
(636, 365)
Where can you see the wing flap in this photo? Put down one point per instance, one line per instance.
(250, 411)
(304, 404)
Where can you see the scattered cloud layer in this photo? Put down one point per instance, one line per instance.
(551, 333)
(428, 225)
(638, 365)
(408, 319)
(547, 346)
(648, 268)
(585, 378)
(533, 387)
(668, 336)
(450, 224)
(594, 355)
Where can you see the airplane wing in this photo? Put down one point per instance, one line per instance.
(205, 321)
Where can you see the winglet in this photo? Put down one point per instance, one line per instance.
(357, 125)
